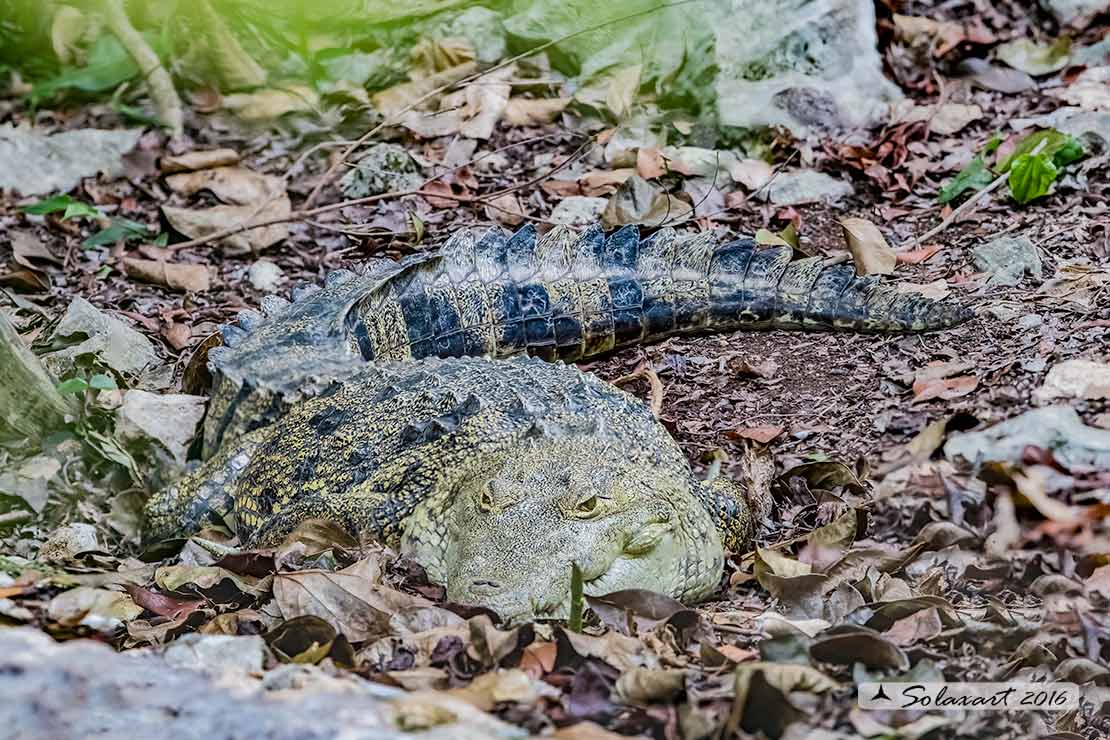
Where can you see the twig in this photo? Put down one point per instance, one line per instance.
(307, 213)
(970, 204)
(647, 372)
(394, 118)
(161, 86)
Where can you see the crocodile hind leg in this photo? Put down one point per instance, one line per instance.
(205, 496)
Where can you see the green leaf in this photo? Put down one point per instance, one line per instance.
(1072, 151)
(1031, 175)
(73, 385)
(574, 621)
(1054, 143)
(975, 176)
(108, 65)
(102, 382)
(77, 209)
(120, 228)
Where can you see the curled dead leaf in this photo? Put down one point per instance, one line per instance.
(870, 252)
(176, 275)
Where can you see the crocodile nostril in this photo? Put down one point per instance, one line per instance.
(484, 586)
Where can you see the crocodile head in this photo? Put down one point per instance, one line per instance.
(506, 539)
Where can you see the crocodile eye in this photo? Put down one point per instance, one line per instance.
(485, 499)
(587, 508)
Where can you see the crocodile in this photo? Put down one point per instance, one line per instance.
(402, 403)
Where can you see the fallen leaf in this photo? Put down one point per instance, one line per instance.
(175, 275)
(349, 599)
(650, 163)
(264, 105)
(996, 78)
(637, 201)
(96, 608)
(644, 685)
(197, 223)
(762, 434)
(921, 626)
(917, 256)
(753, 174)
(201, 159)
(487, 97)
(533, 111)
(935, 290)
(235, 185)
(870, 252)
(604, 182)
(1034, 58)
(506, 209)
(946, 388)
(859, 646)
(161, 604)
(1090, 90)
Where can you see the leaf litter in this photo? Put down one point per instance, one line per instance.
(941, 500)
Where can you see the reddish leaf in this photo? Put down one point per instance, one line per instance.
(161, 604)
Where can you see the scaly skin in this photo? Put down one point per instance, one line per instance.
(494, 474)
(568, 295)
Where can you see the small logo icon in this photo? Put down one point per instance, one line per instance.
(880, 694)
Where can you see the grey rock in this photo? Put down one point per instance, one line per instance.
(36, 164)
(65, 543)
(265, 276)
(810, 67)
(1075, 13)
(1058, 429)
(384, 168)
(84, 689)
(1008, 259)
(114, 342)
(805, 186)
(578, 210)
(217, 654)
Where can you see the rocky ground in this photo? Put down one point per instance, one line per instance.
(902, 547)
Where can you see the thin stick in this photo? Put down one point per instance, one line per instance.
(307, 213)
(394, 118)
(161, 86)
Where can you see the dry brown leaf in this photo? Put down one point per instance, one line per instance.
(350, 599)
(392, 101)
(762, 434)
(235, 185)
(533, 111)
(196, 223)
(604, 182)
(198, 160)
(26, 247)
(175, 275)
(946, 388)
(264, 105)
(506, 209)
(650, 163)
(751, 173)
(870, 252)
(921, 626)
(486, 100)
(936, 290)
(917, 256)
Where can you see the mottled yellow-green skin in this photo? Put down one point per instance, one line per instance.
(488, 471)
(497, 473)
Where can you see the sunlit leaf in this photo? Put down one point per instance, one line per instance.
(975, 176)
(1031, 176)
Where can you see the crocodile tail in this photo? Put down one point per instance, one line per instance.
(766, 288)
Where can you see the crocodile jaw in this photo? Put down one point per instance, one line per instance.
(507, 541)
